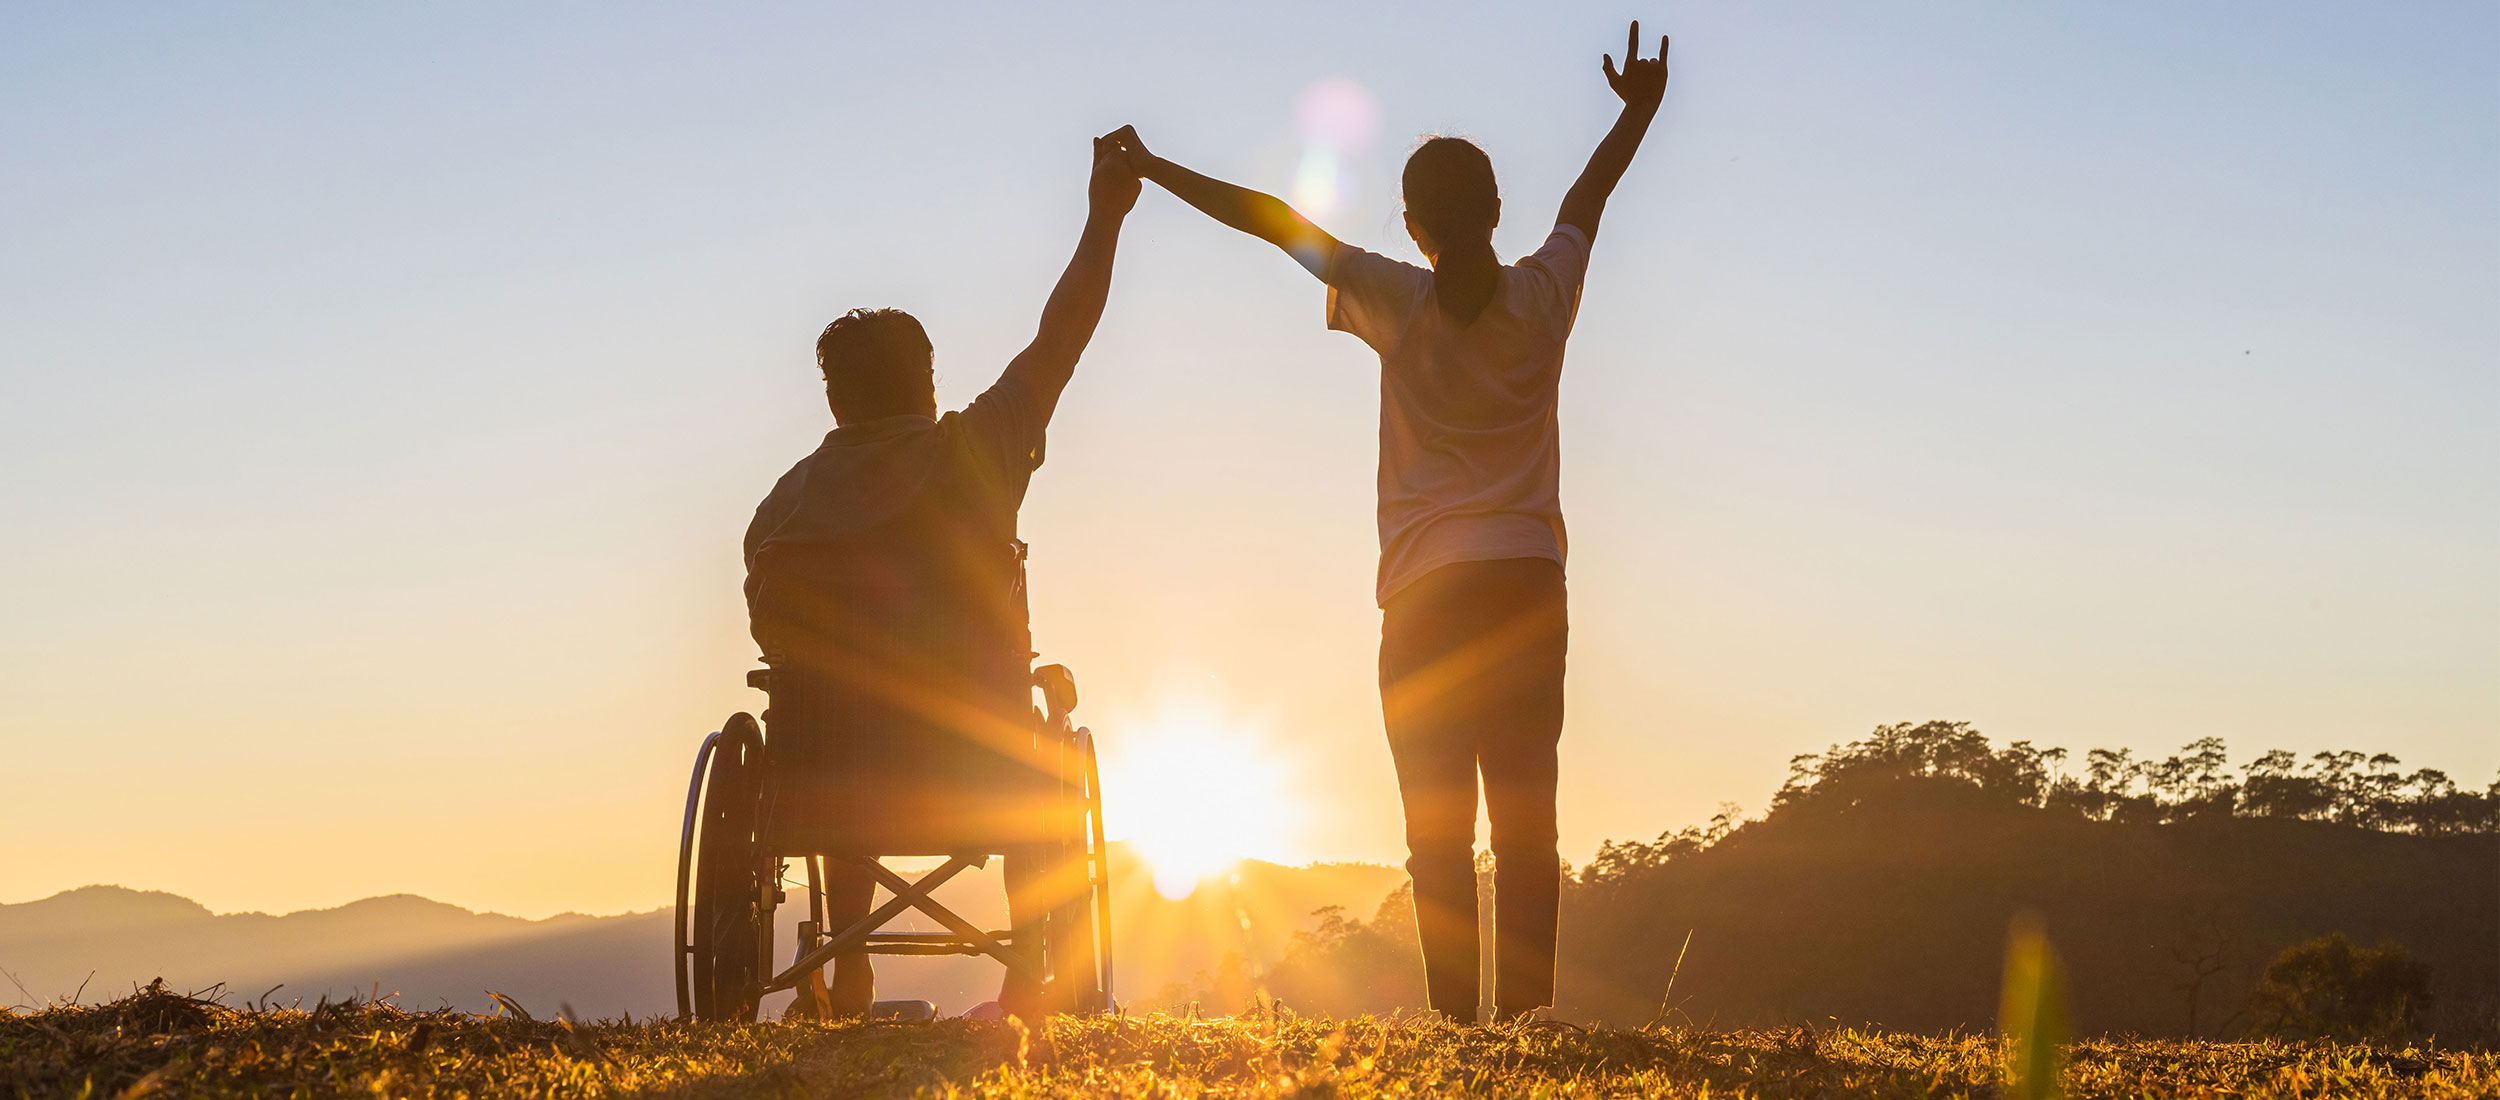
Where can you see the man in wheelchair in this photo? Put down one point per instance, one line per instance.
(885, 585)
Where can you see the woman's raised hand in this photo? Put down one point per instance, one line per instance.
(1641, 83)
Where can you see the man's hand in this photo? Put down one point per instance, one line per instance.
(1075, 305)
(1641, 84)
(1114, 187)
(1138, 156)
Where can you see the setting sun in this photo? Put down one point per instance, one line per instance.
(1196, 796)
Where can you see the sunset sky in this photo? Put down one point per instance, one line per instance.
(383, 393)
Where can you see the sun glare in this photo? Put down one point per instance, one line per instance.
(1196, 797)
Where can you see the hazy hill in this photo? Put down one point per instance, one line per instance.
(431, 953)
(1879, 888)
(428, 951)
(1893, 911)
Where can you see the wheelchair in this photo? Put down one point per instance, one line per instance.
(818, 784)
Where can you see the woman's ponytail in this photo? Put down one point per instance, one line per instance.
(1450, 193)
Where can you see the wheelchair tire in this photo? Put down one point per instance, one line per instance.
(1099, 867)
(730, 938)
(681, 951)
(1077, 939)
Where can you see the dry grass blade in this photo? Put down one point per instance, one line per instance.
(512, 1008)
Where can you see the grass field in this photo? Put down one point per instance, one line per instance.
(160, 1044)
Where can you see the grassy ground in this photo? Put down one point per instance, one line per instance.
(164, 1045)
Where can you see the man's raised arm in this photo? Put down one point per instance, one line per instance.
(1259, 214)
(1075, 305)
(1641, 85)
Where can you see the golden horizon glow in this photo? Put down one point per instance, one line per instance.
(1196, 796)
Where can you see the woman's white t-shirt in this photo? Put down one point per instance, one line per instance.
(1470, 461)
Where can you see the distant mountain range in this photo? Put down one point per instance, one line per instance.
(428, 953)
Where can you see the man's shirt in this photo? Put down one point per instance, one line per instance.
(868, 474)
(1470, 457)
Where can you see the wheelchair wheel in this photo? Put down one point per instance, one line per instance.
(680, 952)
(1099, 866)
(728, 945)
(1077, 939)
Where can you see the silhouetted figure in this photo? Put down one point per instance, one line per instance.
(885, 579)
(1474, 626)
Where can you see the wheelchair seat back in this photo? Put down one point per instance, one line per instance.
(901, 717)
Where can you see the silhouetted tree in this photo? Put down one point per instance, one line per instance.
(1623, 861)
(2326, 988)
(2277, 787)
(2195, 782)
(2202, 950)
(1346, 967)
(1228, 990)
(1948, 751)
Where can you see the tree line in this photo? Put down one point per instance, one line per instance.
(2347, 788)
(2370, 791)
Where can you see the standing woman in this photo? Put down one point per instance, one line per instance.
(1473, 628)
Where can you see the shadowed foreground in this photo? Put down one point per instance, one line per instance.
(161, 1044)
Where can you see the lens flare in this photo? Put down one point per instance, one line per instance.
(1336, 120)
(1196, 797)
(1316, 182)
(1337, 113)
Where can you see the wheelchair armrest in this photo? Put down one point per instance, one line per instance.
(1058, 688)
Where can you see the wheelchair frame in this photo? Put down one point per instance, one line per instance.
(729, 883)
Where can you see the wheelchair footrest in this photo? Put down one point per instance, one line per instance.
(909, 1011)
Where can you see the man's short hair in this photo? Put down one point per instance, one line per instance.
(877, 362)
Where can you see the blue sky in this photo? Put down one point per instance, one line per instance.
(383, 392)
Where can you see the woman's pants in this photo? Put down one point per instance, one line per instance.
(1471, 681)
